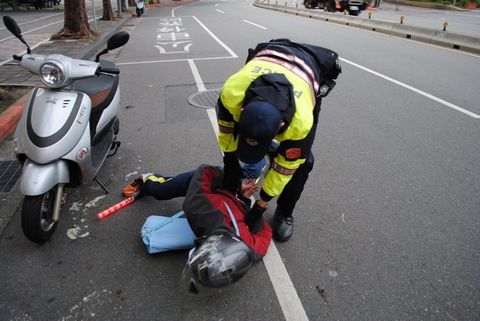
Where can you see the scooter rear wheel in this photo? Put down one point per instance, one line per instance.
(37, 217)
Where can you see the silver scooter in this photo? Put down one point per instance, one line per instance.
(67, 129)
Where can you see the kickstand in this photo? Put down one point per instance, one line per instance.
(115, 146)
(102, 186)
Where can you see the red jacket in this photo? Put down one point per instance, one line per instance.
(205, 207)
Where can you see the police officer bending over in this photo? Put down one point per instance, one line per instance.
(276, 95)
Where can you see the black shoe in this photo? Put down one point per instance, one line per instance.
(282, 227)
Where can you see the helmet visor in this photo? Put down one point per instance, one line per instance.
(191, 284)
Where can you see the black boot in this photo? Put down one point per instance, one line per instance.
(282, 227)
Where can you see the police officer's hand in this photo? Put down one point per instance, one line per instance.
(254, 218)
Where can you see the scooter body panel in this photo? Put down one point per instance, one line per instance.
(83, 164)
(52, 124)
(110, 112)
(40, 178)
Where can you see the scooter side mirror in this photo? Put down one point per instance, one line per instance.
(13, 27)
(118, 40)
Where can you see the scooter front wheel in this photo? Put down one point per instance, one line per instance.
(37, 217)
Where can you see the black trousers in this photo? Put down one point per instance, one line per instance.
(293, 190)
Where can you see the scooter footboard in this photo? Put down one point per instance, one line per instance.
(40, 178)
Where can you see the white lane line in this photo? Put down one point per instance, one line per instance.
(212, 115)
(220, 11)
(418, 91)
(170, 60)
(230, 51)
(254, 24)
(287, 296)
(196, 75)
(173, 10)
(35, 20)
(32, 30)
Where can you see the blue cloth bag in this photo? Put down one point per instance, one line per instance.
(163, 233)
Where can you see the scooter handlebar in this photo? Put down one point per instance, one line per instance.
(109, 70)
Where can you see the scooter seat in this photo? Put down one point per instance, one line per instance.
(101, 89)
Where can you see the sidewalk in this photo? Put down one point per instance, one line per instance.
(428, 5)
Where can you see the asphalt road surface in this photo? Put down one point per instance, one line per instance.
(387, 227)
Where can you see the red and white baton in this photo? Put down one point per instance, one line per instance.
(109, 211)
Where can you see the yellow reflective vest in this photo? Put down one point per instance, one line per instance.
(230, 104)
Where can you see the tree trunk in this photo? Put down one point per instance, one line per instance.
(75, 25)
(107, 11)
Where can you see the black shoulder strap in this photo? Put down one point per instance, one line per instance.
(274, 89)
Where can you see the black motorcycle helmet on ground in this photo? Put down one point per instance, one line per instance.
(216, 261)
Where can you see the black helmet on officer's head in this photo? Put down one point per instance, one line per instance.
(258, 124)
(216, 261)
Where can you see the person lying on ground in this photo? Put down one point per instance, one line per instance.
(226, 244)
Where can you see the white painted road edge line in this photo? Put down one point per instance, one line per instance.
(418, 91)
(196, 75)
(254, 24)
(230, 51)
(282, 284)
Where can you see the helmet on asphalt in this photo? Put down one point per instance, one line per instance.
(216, 261)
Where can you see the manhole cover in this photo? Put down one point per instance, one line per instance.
(205, 99)
(10, 172)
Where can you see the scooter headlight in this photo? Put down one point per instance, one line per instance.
(52, 74)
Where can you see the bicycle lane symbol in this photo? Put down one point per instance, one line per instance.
(172, 37)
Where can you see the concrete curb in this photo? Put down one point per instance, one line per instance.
(10, 116)
(436, 37)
